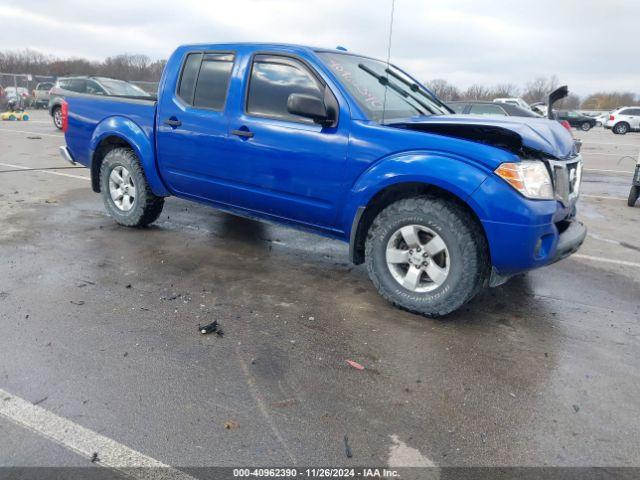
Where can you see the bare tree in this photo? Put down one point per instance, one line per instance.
(443, 89)
(608, 100)
(539, 89)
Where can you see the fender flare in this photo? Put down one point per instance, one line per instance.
(139, 140)
(456, 175)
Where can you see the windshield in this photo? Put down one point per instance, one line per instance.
(120, 87)
(368, 80)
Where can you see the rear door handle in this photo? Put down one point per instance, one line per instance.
(242, 133)
(173, 122)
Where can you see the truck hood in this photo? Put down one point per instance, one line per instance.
(517, 134)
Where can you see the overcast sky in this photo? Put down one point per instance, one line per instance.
(590, 44)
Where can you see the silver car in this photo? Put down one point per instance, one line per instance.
(624, 120)
(41, 94)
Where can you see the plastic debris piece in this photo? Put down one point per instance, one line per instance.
(347, 448)
(355, 365)
(213, 327)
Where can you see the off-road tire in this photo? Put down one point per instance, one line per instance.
(147, 207)
(467, 246)
(621, 128)
(56, 113)
(585, 126)
(634, 194)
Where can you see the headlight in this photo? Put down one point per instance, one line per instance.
(530, 177)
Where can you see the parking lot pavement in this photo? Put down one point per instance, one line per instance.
(98, 326)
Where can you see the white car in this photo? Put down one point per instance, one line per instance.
(624, 120)
(513, 101)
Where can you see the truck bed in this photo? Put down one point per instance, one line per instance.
(87, 111)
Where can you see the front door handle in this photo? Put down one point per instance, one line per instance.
(173, 122)
(242, 133)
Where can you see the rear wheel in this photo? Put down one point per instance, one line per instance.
(586, 126)
(426, 255)
(634, 194)
(621, 128)
(57, 117)
(125, 190)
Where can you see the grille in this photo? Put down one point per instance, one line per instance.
(566, 177)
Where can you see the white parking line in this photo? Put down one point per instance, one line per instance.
(6, 130)
(604, 197)
(620, 155)
(50, 172)
(612, 143)
(606, 171)
(606, 260)
(83, 441)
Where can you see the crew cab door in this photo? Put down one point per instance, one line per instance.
(283, 164)
(192, 127)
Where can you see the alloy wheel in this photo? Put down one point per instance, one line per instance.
(418, 258)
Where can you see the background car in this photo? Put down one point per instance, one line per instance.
(41, 94)
(576, 119)
(88, 85)
(517, 101)
(477, 107)
(602, 118)
(20, 96)
(624, 120)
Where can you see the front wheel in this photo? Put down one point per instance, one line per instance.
(426, 255)
(125, 191)
(634, 194)
(586, 126)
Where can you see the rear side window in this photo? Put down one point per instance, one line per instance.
(486, 109)
(213, 81)
(630, 111)
(457, 107)
(189, 76)
(273, 79)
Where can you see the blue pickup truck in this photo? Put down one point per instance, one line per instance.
(437, 205)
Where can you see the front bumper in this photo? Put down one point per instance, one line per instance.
(570, 240)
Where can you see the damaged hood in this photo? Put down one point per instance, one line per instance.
(512, 133)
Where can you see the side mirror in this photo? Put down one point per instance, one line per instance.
(308, 106)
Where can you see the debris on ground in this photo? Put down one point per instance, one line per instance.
(50, 200)
(576, 408)
(80, 302)
(213, 327)
(34, 138)
(230, 425)
(94, 457)
(355, 365)
(347, 448)
(38, 402)
(128, 285)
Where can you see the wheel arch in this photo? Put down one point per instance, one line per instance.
(117, 132)
(366, 214)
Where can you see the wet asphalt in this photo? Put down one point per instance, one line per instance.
(98, 324)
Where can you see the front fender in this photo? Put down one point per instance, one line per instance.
(140, 142)
(455, 174)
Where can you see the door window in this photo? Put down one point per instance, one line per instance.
(213, 81)
(77, 85)
(273, 79)
(486, 109)
(205, 79)
(94, 88)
